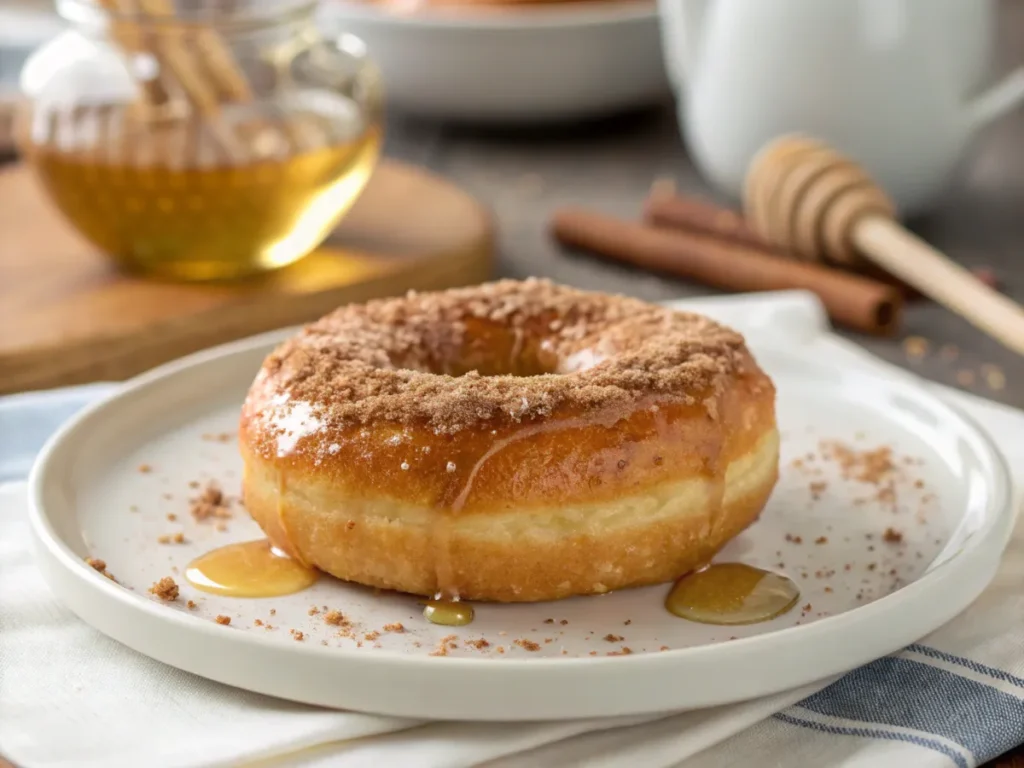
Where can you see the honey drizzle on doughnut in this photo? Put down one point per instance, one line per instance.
(462, 486)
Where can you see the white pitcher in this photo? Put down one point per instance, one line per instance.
(896, 84)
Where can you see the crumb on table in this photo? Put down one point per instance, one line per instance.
(222, 619)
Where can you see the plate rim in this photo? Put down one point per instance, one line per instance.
(980, 556)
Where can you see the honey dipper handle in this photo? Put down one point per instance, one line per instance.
(906, 256)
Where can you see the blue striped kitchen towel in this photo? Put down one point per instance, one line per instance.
(955, 698)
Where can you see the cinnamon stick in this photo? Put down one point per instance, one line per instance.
(851, 300)
(664, 208)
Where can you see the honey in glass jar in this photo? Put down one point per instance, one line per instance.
(203, 140)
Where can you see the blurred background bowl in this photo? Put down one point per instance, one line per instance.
(513, 64)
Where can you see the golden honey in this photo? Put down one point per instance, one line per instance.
(732, 594)
(448, 613)
(162, 203)
(249, 569)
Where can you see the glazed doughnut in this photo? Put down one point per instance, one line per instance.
(512, 442)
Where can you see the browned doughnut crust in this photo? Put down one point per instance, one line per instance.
(516, 441)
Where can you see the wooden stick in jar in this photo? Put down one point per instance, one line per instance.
(133, 40)
(853, 301)
(214, 56)
(194, 83)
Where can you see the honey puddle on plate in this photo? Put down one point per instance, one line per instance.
(249, 569)
(732, 593)
(448, 613)
(723, 593)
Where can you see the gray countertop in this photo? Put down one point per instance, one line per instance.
(609, 165)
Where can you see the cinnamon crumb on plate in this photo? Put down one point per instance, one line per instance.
(394, 627)
(211, 503)
(527, 645)
(165, 589)
(222, 619)
(892, 536)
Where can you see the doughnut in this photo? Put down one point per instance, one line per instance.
(508, 442)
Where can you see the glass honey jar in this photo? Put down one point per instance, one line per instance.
(200, 139)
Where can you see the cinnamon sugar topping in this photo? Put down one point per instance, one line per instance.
(417, 360)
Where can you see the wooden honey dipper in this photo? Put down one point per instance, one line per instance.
(817, 204)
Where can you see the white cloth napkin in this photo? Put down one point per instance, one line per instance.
(69, 696)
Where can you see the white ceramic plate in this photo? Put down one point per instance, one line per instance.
(513, 64)
(866, 597)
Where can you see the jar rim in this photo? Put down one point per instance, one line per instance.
(222, 14)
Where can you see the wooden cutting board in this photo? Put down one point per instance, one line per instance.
(67, 316)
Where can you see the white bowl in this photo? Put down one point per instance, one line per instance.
(521, 65)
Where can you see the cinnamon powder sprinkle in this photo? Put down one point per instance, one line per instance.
(892, 536)
(821, 540)
(624, 651)
(794, 539)
(334, 618)
(527, 645)
(478, 644)
(395, 627)
(371, 636)
(393, 360)
(100, 566)
(257, 622)
(298, 636)
(191, 604)
(549, 621)
(869, 466)
(222, 619)
(313, 611)
(613, 638)
(211, 503)
(171, 538)
(165, 589)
